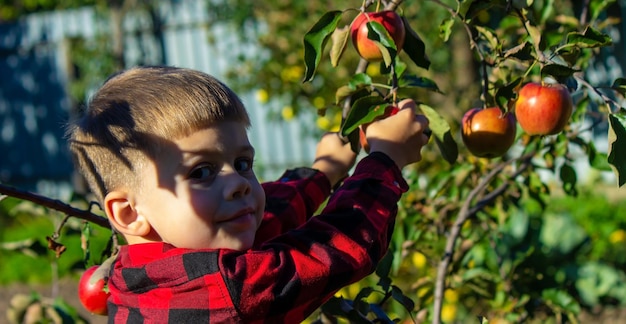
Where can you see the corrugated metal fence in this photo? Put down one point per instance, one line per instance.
(34, 102)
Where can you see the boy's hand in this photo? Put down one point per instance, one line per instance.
(333, 157)
(400, 136)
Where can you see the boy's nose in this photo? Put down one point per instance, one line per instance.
(236, 186)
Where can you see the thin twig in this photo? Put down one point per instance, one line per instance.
(54, 204)
(583, 12)
(609, 101)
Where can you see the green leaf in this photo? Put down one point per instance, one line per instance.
(489, 36)
(590, 38)
(359, 80)
(535, 33)
(445, 29)
(364, 293)
(561, 235)
(345, 91)
(482, 5)
(337, 306)
(414, 47)
(384, 267)
(523, 51)
(569, 178)
(560, 300)
(479, 273)
(364, 110)
(619, 85)
(505, 94)
(558, 72)
(596, 281)
(380, 36)
(315, 40)
(617, 144)
(419, 82)
(443, 136)
(339, 40)
(597, 8)
(400, 297)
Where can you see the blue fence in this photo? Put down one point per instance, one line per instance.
(34, 100)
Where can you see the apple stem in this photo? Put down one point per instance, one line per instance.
(485, 83)
(394, 81)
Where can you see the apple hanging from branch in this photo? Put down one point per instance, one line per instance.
(91, 290)
(488, 132)
(543, 109)
(369, 49)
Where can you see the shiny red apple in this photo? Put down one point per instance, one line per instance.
(543, 109)
(366, 48)
(488, 132)
(92, 293)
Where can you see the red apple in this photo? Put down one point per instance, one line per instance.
(389, 111)
(365, 46)
(91, 292)
(543, 109)
(488, 132)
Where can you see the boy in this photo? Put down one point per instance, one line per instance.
(166, 151)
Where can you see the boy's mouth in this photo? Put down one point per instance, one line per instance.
(243, 216)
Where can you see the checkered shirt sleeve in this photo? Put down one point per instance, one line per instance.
(291, 201)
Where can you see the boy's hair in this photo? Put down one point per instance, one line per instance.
(138, 111)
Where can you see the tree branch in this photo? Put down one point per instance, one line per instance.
(464, 214)
(54, 204)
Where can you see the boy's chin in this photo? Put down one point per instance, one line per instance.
(238, 243)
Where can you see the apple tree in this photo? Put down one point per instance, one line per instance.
(531, 61)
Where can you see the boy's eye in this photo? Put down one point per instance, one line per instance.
(202, 172)
(243, 165)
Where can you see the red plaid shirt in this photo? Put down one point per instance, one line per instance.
(298, 263)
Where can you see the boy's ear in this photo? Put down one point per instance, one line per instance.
(122, 214)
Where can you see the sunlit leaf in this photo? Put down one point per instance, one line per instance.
(339, 40)
(380, 36)
(489, 36)
(315, 40)
(363, 110)
(359, 80)
(535, 34)
(560, 301)
(441, 131)
(617, 145)
(445, 29)
(598, 7)
(590, 38)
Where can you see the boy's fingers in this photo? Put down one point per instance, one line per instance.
(407, 104)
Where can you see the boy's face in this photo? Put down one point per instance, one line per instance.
(202, 191)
